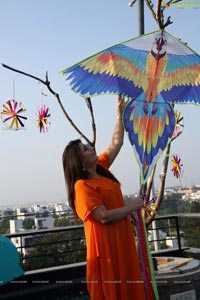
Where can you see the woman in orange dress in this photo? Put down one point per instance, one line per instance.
(113, 269)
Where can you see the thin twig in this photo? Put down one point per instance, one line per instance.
(150, 6)
(89, 104)
(158, 14)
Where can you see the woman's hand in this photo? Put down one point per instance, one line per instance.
(105, 216)
(136, 203)
(120, 106)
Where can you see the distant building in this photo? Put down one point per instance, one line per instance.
(17, 226)
(172, 241)
(40, 209)
(23, 213)
(189, 190)
(7, 212)
(195, 196)
(169, 192)
(191, 193)
(161, 235)
(44, 223)
(61, 208)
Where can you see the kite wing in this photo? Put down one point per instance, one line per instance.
(153, 64)
(181, 83)
(116, 70)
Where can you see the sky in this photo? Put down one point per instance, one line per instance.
(48, 36)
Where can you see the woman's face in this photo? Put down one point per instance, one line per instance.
(89, 154)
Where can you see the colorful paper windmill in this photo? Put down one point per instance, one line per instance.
(176, 166)
(13, 115)
(179, 124)
(43, 118)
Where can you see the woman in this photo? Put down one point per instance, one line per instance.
(113, 271)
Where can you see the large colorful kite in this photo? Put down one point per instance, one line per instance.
(154, 71)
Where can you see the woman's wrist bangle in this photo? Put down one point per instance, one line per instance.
(119, 117)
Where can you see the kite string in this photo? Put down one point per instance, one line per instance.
(144, 250)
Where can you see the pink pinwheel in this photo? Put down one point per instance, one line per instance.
(43, 118)
(176, 166)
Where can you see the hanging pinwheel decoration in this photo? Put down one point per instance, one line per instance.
(13, 115)
(179, 124)
(154, 71)
(177, 166)
(43, 115)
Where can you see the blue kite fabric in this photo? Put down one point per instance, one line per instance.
(10, 267)
(143, 67)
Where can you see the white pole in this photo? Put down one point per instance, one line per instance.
(157, 245)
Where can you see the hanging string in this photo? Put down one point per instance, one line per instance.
(42, 93)
(43, 114)
(41, 97)
(13, 89)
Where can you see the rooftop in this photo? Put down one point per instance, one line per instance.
(55, 266)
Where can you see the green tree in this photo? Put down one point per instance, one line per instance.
(4, 226)
(61, 221)
(56, 249)
(28, 223)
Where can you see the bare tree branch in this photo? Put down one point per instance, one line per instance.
(89, 104)
(56, 95)
(158, 14)
(150, 6)
(161, 186)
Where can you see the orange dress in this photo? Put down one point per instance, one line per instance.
(113, 270)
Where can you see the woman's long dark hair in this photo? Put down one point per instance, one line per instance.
(74, 169)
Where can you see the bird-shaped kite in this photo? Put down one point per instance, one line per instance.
(154, 71)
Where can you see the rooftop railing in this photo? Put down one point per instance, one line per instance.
(65, 245)
(58, 256)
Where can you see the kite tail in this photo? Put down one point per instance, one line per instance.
(146, 258)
